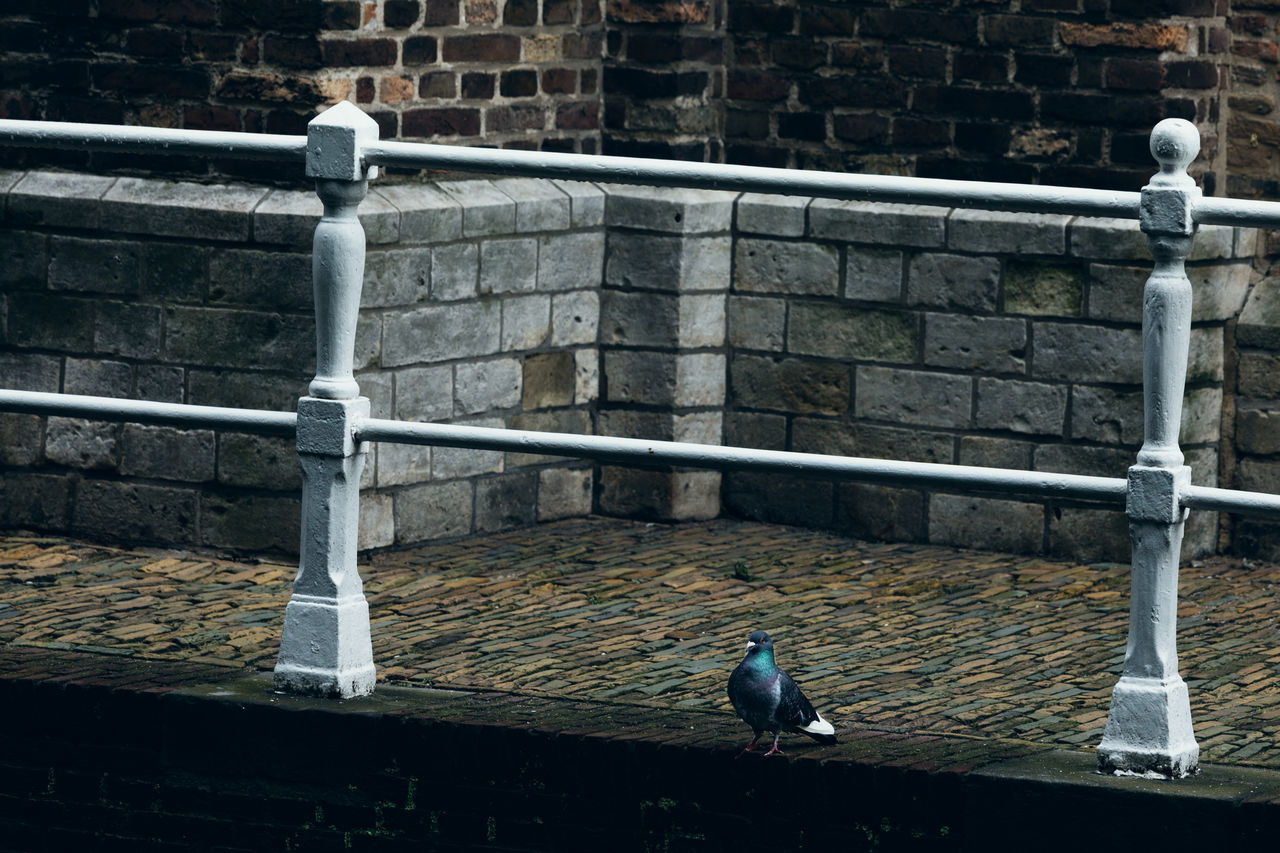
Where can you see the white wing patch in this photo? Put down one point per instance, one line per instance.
(819, 727)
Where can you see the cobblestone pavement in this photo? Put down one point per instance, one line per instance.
(890, 637)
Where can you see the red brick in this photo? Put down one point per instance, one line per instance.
(1140, 36)
(804, 54)
(861, 127)
(583, 115)
(852, 91)
(856, 55)
(515, 117)
(438, 84)
(558, 11)
(1135, 74)
(520, 13)
(213, 47)
(440, 13)
(1018, 31)
(164, 11)
(910, 131)
(760, 17)
(366, 91)
(582, 45)
(981, 67)
(291, 51)
(590, 81)
(928, 62)
(804, 126)
(211, 118)
(756, 86)
(518, 83)
(1267, 51)
(1250, 23)
(271, 88)
(419, 50)
(476, 84)
(400, 14)
(295, 15)
(164, 81)
(1034, 69)
(447, 121)
(343, 15)
(1192, 74)
(489, 47)
(659, 11)
(156, 42)
(919, 24)
(559, 81)
(826, 21)
(343, 53)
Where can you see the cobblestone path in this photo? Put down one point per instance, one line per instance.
(892, 637)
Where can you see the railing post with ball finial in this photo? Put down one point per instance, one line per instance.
(1149, 726)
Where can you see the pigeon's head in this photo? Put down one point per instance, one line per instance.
(759, 641)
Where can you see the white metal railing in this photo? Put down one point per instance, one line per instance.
(325, 644)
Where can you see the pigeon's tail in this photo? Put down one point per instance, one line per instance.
(820, 730)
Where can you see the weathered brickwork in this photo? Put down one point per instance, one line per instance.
(520, 73)
(864, 329)
(1052, 92)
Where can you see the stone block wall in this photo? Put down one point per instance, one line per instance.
(889, 331)
(953, 336)
(480, 306)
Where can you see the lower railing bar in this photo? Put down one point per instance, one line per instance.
(1231, 500)
(958, 478)
(152, 140)
(255, 421)
(720, 176)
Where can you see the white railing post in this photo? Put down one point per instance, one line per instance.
(325, 648)
(1149, 727)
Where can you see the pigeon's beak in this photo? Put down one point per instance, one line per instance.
(750, 645)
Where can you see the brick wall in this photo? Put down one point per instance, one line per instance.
(861, 329)
(1055, 91)
(1047, 91)
(522, 73)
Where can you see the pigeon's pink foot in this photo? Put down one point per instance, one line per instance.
(774, 751)
(750, 747)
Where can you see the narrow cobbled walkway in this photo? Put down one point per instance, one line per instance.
(887, 637)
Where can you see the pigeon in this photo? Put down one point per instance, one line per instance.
(767, 699)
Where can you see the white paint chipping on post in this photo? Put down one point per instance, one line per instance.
(1149, 728)
(325, 646)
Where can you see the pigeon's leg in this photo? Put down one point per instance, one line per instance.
(750, 746)
(775, 750)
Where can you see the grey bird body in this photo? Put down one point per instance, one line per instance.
(767, 699)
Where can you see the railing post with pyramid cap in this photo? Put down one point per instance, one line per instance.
(325, 647)
(1149, 726)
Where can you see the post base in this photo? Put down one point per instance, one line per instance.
(1149, 730)
(325, 648)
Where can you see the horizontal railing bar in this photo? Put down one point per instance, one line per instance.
(720, 176)
(257, 421)
(1231, 500)
(1237, 211)
(152, 140)
(961, 478)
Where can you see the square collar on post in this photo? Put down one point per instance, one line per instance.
(335, 140)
